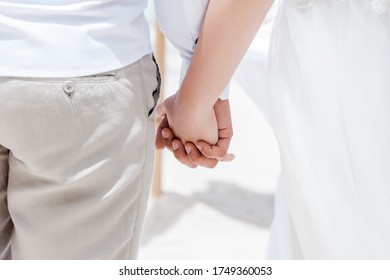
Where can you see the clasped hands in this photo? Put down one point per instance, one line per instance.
(196, 136)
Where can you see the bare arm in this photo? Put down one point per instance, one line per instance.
(229, 27)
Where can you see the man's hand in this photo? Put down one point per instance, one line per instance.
(201, 154)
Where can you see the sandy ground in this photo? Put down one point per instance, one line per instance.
(223, 213)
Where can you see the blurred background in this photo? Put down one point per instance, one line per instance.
(226, 212)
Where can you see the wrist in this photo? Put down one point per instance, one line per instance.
(188, 103)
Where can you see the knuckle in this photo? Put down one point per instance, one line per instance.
(194, 158)
(180, 157)
(216, 153)
(167, 142)
(213, 164)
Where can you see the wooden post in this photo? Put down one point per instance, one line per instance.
(160, 57)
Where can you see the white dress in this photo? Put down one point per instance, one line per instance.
(328, 103)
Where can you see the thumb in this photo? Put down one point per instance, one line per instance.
(161, 109)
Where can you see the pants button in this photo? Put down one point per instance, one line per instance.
(68, 87)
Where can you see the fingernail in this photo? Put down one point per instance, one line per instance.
(165, 134)
(199, 147)
(175, 146)
(188, 150)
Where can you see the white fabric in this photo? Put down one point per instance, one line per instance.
(180, 21)
(251, 74)
(66, 38)
(328, 103)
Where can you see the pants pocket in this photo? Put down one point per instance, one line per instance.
(156, 93)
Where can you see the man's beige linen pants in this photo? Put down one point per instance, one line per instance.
(76, 162)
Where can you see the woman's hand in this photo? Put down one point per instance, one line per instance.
(189, 123)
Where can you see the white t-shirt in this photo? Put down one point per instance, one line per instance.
(69, 38)
(66, 38)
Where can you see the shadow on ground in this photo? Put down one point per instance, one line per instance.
(229, 199)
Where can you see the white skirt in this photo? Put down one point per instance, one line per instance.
(328, 103)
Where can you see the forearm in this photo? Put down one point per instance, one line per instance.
(229, 27)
